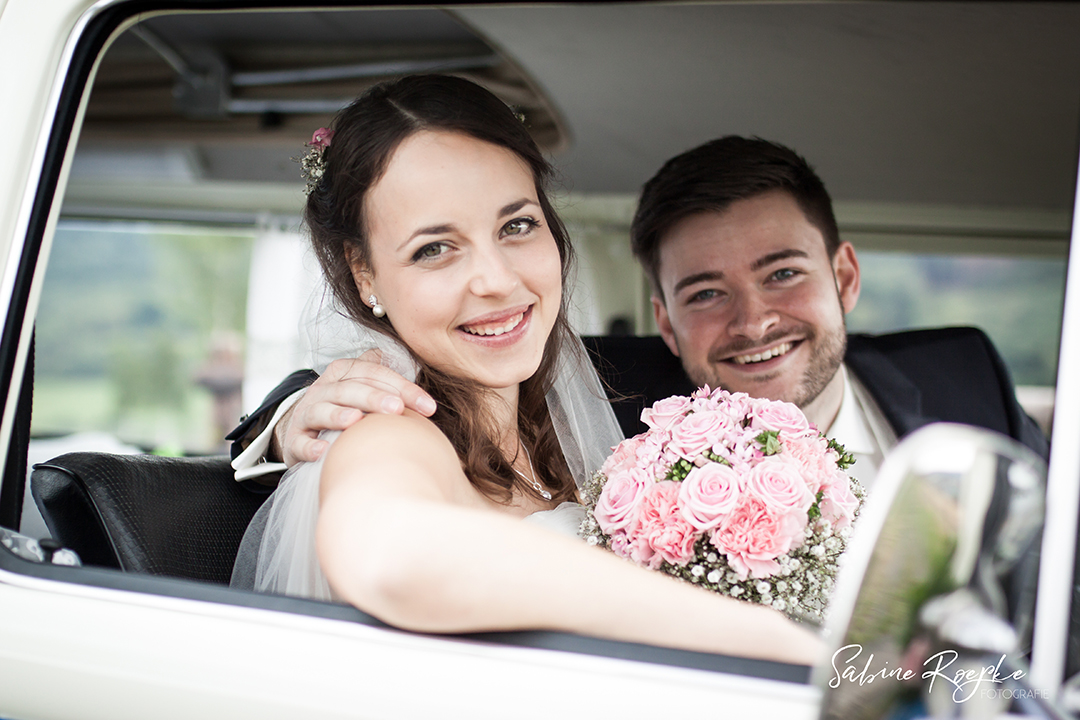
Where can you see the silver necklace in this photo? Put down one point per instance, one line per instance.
(532, 481)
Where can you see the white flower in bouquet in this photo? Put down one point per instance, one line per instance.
(740, 495)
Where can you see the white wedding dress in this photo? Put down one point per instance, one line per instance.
(565, 519)
(277, 554)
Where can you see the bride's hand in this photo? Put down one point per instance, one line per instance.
(338, 398)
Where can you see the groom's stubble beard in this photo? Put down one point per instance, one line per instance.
(827, 354)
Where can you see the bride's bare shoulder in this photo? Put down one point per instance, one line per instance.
(378, 442)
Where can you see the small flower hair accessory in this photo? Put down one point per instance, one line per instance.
(313, 164)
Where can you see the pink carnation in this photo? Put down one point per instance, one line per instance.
(780, 485)
(662, 529)
(708, 494)
(697, 433)
(839, 504)
(755, 535)
(616, 506)
(664, 412)
(782, 416)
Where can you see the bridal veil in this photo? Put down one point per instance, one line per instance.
(277, 553)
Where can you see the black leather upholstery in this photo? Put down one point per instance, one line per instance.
(181, 517)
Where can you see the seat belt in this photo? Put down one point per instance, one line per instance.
(14, 484)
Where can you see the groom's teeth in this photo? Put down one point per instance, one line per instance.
(777, 351)
(495, 329)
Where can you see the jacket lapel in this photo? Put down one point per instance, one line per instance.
(899, 399)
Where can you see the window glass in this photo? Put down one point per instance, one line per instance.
(1016, 300)
(140, 334)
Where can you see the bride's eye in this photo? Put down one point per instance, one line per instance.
(520, 226)
(430, 251)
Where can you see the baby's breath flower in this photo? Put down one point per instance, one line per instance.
(697, 571)
(713, 576)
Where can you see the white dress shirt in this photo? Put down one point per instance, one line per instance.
(862, 429)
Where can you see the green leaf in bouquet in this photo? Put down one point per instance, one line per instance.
(846, 459)
(769, 441)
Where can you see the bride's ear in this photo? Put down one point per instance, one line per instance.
(362, 276)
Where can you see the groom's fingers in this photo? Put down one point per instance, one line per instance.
(341, 396)
(368, 386)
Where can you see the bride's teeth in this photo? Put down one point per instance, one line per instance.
(759, 357)
(497, 329)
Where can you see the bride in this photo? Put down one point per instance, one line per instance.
(429, 218)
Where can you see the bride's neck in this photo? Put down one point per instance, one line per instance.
(504, 413)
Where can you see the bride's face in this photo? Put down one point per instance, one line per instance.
(462, 258)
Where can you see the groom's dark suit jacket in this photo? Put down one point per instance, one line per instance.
(916, 377)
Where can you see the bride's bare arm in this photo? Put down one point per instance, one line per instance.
(397, 538)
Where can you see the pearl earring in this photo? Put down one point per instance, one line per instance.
(376, 309)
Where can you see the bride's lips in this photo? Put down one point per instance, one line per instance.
(763, 358)
(498, 329)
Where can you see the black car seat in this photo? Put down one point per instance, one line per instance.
(181, 517)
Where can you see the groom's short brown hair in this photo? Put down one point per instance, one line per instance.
(710, 177)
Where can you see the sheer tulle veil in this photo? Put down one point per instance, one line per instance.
(277, 554)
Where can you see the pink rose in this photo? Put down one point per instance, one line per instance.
(782, 416)
(623, 457)
(321, 138)
(697, 433)
(664, 412)
(662, 528)
(779, 483)
(813, 456)
(839, 504)
(618, 501)
(708, 494)
(755, 535)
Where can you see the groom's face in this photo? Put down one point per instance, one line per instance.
(753, 303)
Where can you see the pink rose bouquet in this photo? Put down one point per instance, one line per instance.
(740, 495)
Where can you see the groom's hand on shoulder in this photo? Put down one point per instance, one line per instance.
(344, 393)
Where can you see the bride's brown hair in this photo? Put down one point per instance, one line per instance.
(366, 134)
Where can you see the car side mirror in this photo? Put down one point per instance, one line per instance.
(934, 599)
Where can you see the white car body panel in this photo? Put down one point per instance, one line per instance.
(76, 651)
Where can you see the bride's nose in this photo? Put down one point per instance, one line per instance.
(492, 273)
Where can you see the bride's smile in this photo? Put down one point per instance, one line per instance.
(461, 257)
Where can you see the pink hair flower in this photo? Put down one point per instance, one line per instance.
(321, 138)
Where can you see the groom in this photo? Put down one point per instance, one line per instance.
(750, 286)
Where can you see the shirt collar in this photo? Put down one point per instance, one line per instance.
(850, 428)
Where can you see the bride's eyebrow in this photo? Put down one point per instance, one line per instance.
(515, 206)
(433, 230)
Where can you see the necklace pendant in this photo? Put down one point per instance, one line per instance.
(545, 494)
